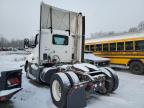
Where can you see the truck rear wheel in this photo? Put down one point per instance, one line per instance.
(73, 78)
(136, 67)
(112, 81)
(114, 77)
(59, 87)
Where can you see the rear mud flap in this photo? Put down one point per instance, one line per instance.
(76, 98)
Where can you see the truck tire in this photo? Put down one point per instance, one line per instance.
(114, 77)
(59, 87)
(46, 74)
(136, 67)
(73, 78)
(112, 80)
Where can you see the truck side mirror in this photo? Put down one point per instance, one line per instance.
(26, 43)
(36, 39)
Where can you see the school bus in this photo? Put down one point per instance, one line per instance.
(122, 50)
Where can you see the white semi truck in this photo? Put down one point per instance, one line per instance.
(57, 59)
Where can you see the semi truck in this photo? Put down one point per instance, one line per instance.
(57, 59)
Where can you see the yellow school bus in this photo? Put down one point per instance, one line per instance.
(122, 50)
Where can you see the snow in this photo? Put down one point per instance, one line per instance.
(85, 66)
(81, 67)
(92, 57)
(34, 67)
(7, 92)
(130, 93)
(65, 66)
(105, 71)
(11, 60)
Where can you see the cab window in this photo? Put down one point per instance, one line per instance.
(60, 40)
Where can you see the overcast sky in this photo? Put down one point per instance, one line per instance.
(20, 18)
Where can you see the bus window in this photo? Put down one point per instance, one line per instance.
(105, 47)
(129, 46)
(139, 45)
(99, 47)
(120, 46)
(112, 46)
(87, 47)
(91, 47)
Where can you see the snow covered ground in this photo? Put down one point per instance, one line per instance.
(130, 93)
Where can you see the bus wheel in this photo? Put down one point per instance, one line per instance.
(136, 67)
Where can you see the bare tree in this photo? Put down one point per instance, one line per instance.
(141, 26)
(4, 43)
(133, 29)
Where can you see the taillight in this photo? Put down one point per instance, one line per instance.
(13, 81)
